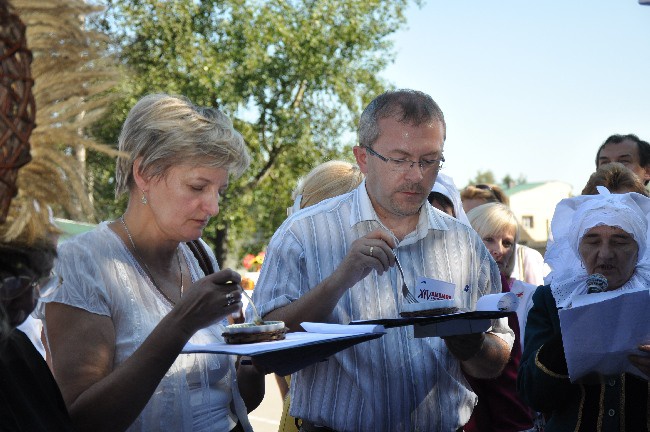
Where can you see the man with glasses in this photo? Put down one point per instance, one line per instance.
(30, 399)
(335, 262)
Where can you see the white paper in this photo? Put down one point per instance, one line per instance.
(585, 299)
(599, 332)
(504, 302)
(314, 327)
(292, 340)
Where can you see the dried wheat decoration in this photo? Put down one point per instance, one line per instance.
(17, 108)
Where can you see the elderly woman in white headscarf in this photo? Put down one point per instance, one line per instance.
(605, 234)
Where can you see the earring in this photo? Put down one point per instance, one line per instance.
(143, 200)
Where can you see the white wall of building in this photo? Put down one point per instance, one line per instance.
(534, 208)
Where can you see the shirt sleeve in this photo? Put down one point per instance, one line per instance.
(83, 283)
(282, 279)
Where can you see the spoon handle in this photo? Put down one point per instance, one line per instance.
(257, 320)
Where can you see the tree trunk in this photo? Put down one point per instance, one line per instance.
(220, 245)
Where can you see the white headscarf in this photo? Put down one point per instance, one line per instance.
(445, 185)
(573, 218)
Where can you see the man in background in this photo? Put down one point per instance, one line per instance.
(629, 150)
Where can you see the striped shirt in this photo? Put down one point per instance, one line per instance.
(396, 382)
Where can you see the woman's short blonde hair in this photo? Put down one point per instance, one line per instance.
(492, 219)
(327, 180)
(166, 131)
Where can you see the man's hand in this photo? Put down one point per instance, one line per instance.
(374, 251)
(642, 362)
(371, 252)
(464, 347)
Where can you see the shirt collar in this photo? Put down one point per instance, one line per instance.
(362, 210)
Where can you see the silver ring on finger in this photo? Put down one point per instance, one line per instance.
(372, 248)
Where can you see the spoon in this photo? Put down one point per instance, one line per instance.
(257, 320)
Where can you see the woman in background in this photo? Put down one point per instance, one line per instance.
(617, 178)
(326, 180)
(445, 197)
(30, 399)
(476, 195)
(499, 406)
(529, 263)
(607, 234)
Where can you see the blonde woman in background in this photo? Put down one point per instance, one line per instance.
(529, 263)
(499, 406)
(327, 180)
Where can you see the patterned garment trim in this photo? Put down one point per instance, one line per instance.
(546, 370)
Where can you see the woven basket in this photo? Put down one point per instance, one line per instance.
(17, 107)
(244, 338)
(430, 312)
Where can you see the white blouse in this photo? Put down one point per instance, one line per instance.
(199, 391)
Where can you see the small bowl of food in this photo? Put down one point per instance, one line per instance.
(429, 308)
(250, 332)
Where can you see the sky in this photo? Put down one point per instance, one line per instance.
(528, 88)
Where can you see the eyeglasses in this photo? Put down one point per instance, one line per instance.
(14, 286)
(404, 165)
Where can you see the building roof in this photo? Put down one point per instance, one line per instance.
(522, 187)
(71, 228)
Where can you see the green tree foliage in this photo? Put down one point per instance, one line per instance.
(509, 181)
(483, 177)
(293, 74)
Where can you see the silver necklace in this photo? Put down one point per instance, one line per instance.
(135, 249)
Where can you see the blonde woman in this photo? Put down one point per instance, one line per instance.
(499, 406)
(529, 263)
(327, 180)
(134, 294)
